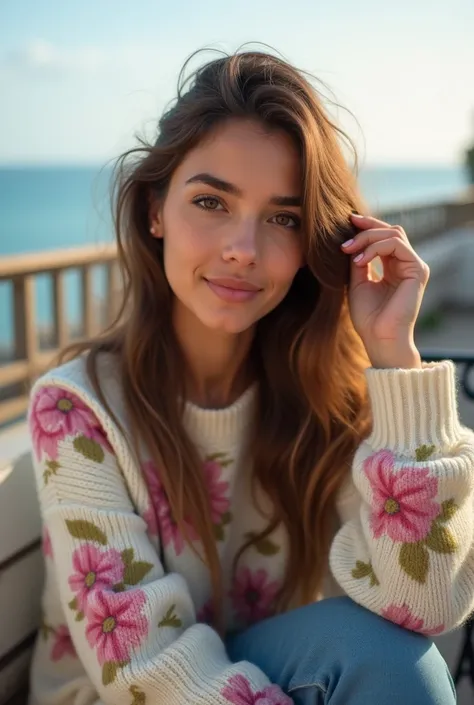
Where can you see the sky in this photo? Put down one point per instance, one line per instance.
(79, 79)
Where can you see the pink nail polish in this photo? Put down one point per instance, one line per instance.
(358, 257)
(348, 242)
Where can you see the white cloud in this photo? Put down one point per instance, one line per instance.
(45, 58)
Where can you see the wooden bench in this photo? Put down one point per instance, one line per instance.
(21, 576)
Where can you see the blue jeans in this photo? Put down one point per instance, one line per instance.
(335, 652)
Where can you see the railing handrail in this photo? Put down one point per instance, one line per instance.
(420, 219)
(22, 265)
(461, 357)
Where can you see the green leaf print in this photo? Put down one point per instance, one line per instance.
(220, 457)
(45, 630)
(74, 606)
(414, 560)
(109, 671)
(448, 510)
(267, 547)
(89, 449)
(441, 540)
(52, 466)
(127, 556)
(364, 570)
(136, 571)
(219, 532)
(264, 546)
(171, 619)
(139, 697)
(424, 452)
(86, 531)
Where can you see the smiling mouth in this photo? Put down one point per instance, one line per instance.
(233, 290)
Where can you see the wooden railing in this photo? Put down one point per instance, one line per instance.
(30, 357)
(423, 222)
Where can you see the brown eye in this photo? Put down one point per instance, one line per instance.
(207, 203)
(286, 220)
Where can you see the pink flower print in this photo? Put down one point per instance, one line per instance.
(400, 614)
(402, 499)
(115, 623)
(46, 546)
(95, 569)
(169, 531)
(252, 595)
(62, 644)
(206, 613)
(218, 490)
(239, 692)
(57, 413)
(158, 515)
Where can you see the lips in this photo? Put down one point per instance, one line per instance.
(233, 290)
(234, 284)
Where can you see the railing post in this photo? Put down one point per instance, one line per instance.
(26, 344)
(87, 300)
(61, 332)
(113, 292)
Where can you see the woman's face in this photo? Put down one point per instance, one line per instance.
(231, 226)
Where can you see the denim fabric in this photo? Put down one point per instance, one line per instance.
(335, 652)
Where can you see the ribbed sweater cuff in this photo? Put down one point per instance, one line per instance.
(412, 407)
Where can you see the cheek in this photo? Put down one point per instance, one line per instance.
(285, 260)
(184, 243)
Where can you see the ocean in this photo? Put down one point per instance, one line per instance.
(46, 208)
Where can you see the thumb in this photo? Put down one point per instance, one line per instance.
(359, 274)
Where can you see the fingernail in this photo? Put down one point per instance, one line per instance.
(359, 257)
(357, 215)
(348, 242)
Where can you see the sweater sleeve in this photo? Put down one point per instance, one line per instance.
(132, 625)
(405, 549)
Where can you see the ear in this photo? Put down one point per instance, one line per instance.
(156, 224)
(155, 217)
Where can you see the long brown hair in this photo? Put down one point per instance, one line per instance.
(312, 402)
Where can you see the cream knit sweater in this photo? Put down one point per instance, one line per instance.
(126, 600)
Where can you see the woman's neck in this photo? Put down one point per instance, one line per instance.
(219, 367)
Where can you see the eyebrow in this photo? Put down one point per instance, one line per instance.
(227, 187)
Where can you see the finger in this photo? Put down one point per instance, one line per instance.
(393, 247)
(360, 274)
(368, 221)
(363, 239)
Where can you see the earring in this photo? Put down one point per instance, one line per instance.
(152, 230)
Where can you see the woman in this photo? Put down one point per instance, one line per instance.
(255, 432)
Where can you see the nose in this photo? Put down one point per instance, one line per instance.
(241, 245)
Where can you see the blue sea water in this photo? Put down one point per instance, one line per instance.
(46, 208)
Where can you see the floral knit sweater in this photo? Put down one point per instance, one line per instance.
(126, 601)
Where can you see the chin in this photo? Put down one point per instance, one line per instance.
(227, 324)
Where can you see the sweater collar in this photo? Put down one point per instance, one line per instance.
(224, 425)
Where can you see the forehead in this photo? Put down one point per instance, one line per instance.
(249, 155)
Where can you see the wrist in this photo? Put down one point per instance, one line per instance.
(393, 355)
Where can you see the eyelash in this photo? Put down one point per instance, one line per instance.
(199, 199)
